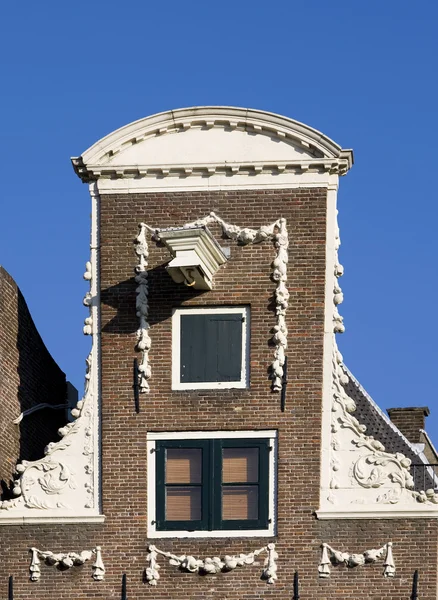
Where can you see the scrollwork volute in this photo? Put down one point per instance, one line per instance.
(357, 460)
(63, 478)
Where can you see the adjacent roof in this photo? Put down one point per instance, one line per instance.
(381, 428)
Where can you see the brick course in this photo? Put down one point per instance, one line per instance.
(244, 280)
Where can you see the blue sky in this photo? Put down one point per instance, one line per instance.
(363, 73)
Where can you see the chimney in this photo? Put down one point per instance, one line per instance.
(409, 420)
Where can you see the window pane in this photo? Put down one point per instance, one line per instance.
(240, 465)
(211, 347)
(183, 504)
(240, 502)
(183, 465)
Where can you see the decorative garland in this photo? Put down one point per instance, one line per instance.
(65, 561)
(355, 560)
(212, 565)
(142, 307)
(276, 232)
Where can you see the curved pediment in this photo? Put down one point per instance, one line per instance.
(210, 138)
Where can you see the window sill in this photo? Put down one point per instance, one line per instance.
(225, 385)
(24, 520)
(241, 533)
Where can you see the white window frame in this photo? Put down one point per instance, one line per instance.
(152, 438)
(176, 345)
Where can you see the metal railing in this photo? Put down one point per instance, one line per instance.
(295, 596)
(425, 476)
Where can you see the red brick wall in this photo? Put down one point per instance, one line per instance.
(410, 421)
(28, 376)
(244, 280)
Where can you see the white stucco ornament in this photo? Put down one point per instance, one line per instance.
(275, 232)
(48, 483)
(142, 307)
(212, 565)
(65, 560)
(330, 556)
(61, 486)
(365, 480)
(196, 256)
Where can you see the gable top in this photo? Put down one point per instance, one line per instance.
(208, 137)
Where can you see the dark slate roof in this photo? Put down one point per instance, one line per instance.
(381, 428)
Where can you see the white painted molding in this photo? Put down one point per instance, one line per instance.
(213, 565)
(219, 181)
(66, 560)
(377, 512)
(275, 232)
(212, 140)
(330, 556)
(63, 486)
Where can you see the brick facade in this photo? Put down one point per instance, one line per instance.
(28, 376)
(244, 280)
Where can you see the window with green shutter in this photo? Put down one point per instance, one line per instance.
(210, 348)
(212, 484)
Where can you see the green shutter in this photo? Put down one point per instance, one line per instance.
(211, 347)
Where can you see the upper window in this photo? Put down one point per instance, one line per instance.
(210, 348)
(216, 485)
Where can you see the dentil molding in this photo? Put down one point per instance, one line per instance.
(214, 141)
(275, 232)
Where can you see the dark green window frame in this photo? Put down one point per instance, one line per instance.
(211, 485)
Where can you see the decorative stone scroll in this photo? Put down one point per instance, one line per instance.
(330, 556)
(65, 561)
(67, 465)
(275, 232)
(368, 467)
(373, 467)
(212, 565)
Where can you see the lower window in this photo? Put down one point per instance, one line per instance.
(211, 483)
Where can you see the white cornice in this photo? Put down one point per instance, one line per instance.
(390, 513)
(89, 172)
(108, 157)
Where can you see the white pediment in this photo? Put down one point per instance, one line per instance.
(199, 145)
(210, 139)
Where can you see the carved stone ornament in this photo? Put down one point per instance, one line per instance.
(196, 256)
(62, 482)
(275, 232)
(65, 561)
(213, 565)
(358, 462)
(330, 556)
